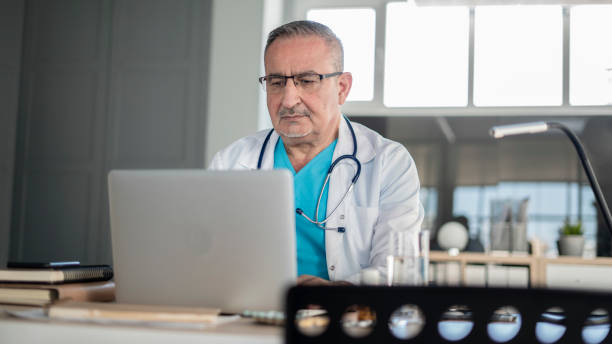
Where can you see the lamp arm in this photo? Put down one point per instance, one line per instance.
(586, 164)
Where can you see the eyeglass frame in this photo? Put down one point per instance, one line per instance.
(262, 79)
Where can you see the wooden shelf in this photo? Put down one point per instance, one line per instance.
(537, 265)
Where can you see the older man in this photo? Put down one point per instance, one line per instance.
(342, 225)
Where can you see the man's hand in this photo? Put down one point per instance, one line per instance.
(309, 280)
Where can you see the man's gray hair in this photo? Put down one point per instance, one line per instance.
(301, 28)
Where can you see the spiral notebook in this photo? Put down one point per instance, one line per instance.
(70, 274)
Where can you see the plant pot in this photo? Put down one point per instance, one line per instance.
(571, 245)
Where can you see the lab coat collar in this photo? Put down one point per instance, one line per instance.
(250, 159)
(344, 146)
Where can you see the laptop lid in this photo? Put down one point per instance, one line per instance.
(221, 239)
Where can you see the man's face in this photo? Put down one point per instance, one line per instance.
(300, 116)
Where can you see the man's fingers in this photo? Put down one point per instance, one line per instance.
(311, 280)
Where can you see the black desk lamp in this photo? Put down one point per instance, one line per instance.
(539, 127)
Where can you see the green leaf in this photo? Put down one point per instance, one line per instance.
(571, 229)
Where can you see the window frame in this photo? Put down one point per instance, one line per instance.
(297, 10)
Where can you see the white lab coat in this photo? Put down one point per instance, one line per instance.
(384, 199)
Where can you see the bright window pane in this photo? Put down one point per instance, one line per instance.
(426, 56)
(591, 55)
(518, 55)
(429, 200)
(356, 28)
(549, 206)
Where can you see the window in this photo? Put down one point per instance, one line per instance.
(591, 55)
(429, 200)
(550, 204)
(356, 29)
(518, 64)
(426, 56)
(501, 60)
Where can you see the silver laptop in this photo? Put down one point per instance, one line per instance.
(203, 238)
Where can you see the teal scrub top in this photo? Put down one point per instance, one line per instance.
(308, 182)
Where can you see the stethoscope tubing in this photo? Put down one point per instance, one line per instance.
(329, 172)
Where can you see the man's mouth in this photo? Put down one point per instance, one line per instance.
(293, 116)
(291, 113)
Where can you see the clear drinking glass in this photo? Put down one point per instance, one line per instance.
(423, 257)
(408, 263)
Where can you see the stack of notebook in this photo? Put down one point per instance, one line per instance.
(38, 284)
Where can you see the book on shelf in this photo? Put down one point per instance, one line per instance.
(126, 313)
(43, 294)
(57, 275)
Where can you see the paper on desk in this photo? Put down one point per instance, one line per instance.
(40, 314)
(33, 314)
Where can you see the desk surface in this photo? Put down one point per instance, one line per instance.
(13, 330)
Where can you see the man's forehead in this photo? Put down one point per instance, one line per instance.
(299, 53)
(297, 39)
(307, 44)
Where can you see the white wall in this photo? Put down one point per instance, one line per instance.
(273, 17)
(235, 64)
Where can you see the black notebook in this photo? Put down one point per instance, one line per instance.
(57, 275)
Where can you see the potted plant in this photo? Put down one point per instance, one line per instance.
(571, 241)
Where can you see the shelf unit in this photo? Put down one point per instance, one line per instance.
(543, 271)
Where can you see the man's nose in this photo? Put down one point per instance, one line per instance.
(291, 94)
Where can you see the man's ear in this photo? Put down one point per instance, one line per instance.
(345, 81)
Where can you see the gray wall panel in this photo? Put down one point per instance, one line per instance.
(9, 79)
(6, 188)
(68, 30)
(62, 129)
(57, 215)
(151, 118)
(11, 31)
(62, 118)
(105, 84)
(159, 89)
(11, 24)
(158, 94)
(153, 30)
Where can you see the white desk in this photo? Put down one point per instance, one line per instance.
(13, 330)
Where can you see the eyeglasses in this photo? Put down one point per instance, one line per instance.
(307, 82)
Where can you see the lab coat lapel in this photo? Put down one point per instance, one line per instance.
(339, 180)
(341, 176)
(338, 184)
(251, 157)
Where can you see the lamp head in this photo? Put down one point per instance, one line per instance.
(517, 129)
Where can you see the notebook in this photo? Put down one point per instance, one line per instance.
(68, 274)
(43, 294)
(222, 239)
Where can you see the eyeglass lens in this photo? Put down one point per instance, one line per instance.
(305, 82)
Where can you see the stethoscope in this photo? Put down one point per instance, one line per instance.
(321, 224)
